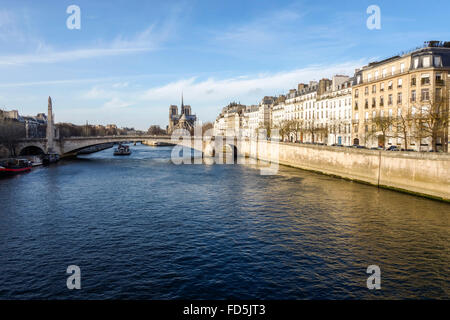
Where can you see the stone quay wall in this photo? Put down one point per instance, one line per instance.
(422, 173)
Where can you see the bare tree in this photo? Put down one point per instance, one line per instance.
(383, 125)
(11, 132)
(432, 121)
(283, 129)
(207, 126)
(156, 130)
(404, 127)
(311, 128)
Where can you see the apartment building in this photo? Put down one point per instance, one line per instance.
(278, 112)
(394, 100)
(334, 108)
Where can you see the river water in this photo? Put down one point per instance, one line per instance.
(140, 227)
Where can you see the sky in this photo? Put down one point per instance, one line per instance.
(130, 60)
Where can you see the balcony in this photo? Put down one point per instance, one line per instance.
(425, 98)
(440, 82)
(425, 82)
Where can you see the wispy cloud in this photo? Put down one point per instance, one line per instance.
(246, 88)
(207, 96)
(142, 42)
(264, 30)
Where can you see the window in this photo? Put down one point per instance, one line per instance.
(402, 67)
(369, 77)
(416, 63)
(390, 85)
(439, 80)
(381, 101)
(374, 102)
(399, 98)
(426, 62)
(413, 96)
(374, 114)
(390, 99)
(384, 73)
(366, 104)
(437, 61)
(374, 88)
(399, 83)
(366, 91)
(366, 115)
(376, 75)
(382, 113)
(425, 95)
(358, 79)
(390, 112)
(356, 105)
(425, 79)
(399, 112)
(393, 70)
(413, 81)
(382, 87)
(356, 93)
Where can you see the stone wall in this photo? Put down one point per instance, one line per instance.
(422, 173)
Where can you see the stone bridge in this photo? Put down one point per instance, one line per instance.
(72, 145)
(208, 146)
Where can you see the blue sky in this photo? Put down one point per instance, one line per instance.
(132, 59)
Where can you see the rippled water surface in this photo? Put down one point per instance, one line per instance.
(142, 227)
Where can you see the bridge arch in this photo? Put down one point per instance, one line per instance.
(213, 149)
(31, 150)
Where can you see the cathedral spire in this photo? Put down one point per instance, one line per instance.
(182, 104)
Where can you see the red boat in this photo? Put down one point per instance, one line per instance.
(15, 166)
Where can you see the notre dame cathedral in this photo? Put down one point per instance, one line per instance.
(184, 120)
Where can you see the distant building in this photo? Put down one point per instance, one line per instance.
(184, 120)
(334, 107)
(35, 126)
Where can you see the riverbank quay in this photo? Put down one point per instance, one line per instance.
(421, 173)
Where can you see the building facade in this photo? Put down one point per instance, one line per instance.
(334, 108)
(401, 101)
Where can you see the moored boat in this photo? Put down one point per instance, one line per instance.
(50, 158)
(15, 166)
(122, 150)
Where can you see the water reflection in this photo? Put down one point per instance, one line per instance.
(142, 227)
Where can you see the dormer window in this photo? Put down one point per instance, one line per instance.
(416, 63)
(437, 61)
(426, 62)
